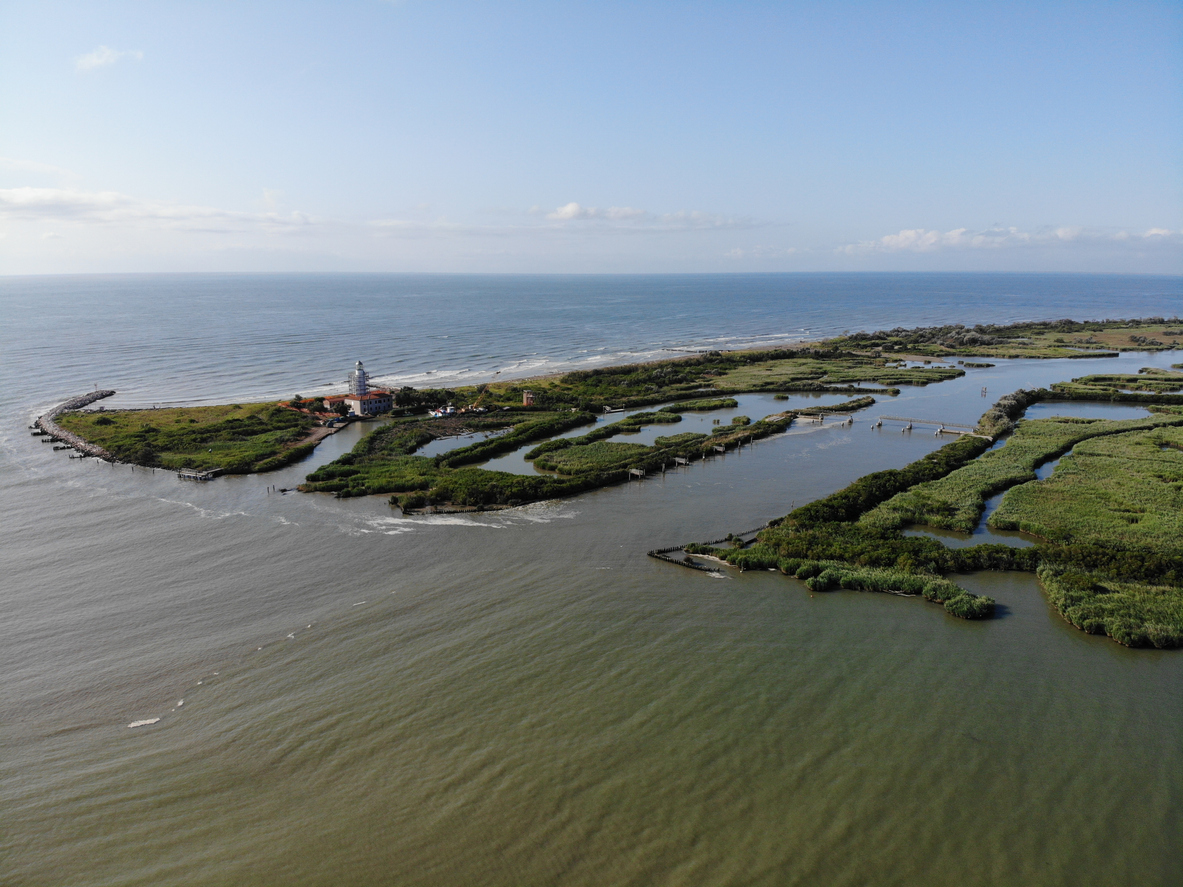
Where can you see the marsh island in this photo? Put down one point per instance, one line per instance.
(1102, 531)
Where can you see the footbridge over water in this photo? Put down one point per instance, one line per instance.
(942, 427)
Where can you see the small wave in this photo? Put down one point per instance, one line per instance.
(543, 513)
(204, 512)
(456, 520)
(144, 723)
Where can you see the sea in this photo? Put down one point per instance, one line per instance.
(225, 684)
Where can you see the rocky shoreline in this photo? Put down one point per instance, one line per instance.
(47, 424)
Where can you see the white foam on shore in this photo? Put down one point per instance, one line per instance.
(144, 723)
(531, 365)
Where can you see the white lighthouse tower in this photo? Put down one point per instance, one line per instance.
(357, 381)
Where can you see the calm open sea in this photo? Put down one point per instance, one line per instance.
(348, 696)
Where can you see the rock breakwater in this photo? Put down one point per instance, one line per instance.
(47, 424)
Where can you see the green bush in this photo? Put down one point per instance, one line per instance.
(970, 606)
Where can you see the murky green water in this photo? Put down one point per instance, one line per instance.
(523, 698)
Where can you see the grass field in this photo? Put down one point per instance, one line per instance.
(238, 438)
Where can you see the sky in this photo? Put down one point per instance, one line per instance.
(590, 137)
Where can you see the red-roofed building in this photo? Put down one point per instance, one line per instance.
(371, 403)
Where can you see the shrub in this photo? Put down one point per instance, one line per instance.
(970, 606)
(808, 570)
(789, 565)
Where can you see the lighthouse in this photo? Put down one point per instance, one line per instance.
(357, 381)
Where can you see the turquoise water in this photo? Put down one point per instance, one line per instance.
(523, 698)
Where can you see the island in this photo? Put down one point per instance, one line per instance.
(1105, 530)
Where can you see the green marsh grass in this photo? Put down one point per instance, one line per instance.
(236, 439)
(956, 501)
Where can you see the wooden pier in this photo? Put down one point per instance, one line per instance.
(942, 427)
(193, 474)
(820, 418)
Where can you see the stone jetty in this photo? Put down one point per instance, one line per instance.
(47, 424)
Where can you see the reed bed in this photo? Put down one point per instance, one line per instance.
(956, 501)
(1125, 490)
(1112, 562)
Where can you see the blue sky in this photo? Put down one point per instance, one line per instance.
(590, 137)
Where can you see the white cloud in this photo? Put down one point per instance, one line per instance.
(417, 227)
(627, 218)
(760, 251)
(699, 221)
(12, 164)
(573, 211)
(104, 56)
(920, 240)
(113, 208)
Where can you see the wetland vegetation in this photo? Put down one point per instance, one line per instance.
(383, 462)
(233, 439)
(1046, 339)
(1108, 520)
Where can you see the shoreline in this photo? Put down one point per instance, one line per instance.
(47, 424)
